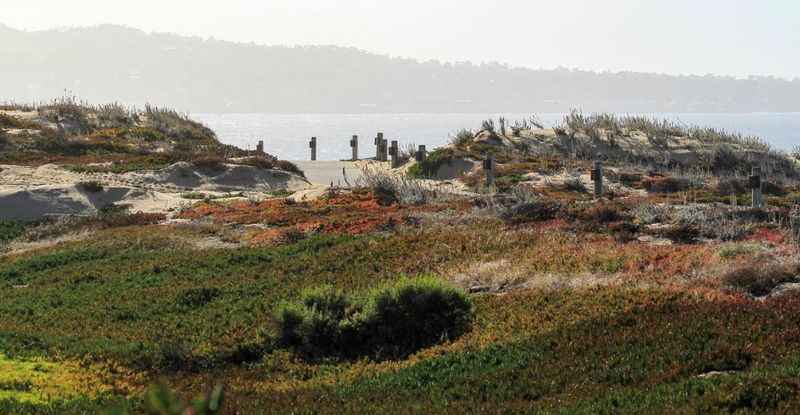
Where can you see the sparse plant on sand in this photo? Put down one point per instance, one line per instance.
(462, 138)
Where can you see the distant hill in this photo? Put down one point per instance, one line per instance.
(113, 63)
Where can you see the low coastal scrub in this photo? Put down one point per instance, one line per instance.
(390, 322)
(761, 277)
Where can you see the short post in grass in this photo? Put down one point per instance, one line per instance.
(597, 178)
(394, 151)
(422, 154)
(756, 185)
(488, 168)
(313, 146)
(354, 147)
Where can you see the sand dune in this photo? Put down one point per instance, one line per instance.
(29, 193)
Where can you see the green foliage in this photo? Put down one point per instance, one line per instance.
(392, 321)
(462, 138)
(433, 162)
(415, 313)
(10, 121)
(160, 399)
(10, 230)
(734, 250)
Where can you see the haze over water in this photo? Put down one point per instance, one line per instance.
(287, 135)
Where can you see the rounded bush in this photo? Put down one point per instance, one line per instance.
(391, 321)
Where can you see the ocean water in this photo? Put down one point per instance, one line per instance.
(287, 135)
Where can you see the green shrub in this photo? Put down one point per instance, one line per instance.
(322, 323)
(390, 322)
(462, 138)
(10, 230)
(415, 313)
(430, 167)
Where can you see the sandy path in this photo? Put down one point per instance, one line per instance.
(327, 172)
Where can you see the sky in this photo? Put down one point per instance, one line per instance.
(724, 37)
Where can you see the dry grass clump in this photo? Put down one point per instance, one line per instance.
(290, 167)
(761, 277)
(210, 162)
(462, 138)
(532, 211)
(658, 130)
(661, 184)
(713, 222)
(604, 214)
(649, 213)
(737, 186)
(390, 188)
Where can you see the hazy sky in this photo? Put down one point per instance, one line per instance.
(728, 37)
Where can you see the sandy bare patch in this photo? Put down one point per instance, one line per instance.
(29, 193)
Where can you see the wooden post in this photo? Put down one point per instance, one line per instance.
(394, 151)
(384, 150)
(354, 147)
(597, 177)
(488, 169)
(380, 146)
(757, 185)
(313, 146)
(422, 154)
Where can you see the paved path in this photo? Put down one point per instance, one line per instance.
(325, 172)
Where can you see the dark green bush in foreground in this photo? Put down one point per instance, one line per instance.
(392, 321)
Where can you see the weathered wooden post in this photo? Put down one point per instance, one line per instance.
(756, 185)
(488, 168)
(422, 154)
(380, 147)
(313, 145)
(597, 177)
(384, 150)
(354, 147)
(394, 151)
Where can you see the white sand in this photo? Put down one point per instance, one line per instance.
(36, 192)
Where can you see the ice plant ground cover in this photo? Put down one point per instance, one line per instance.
(569, 314)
